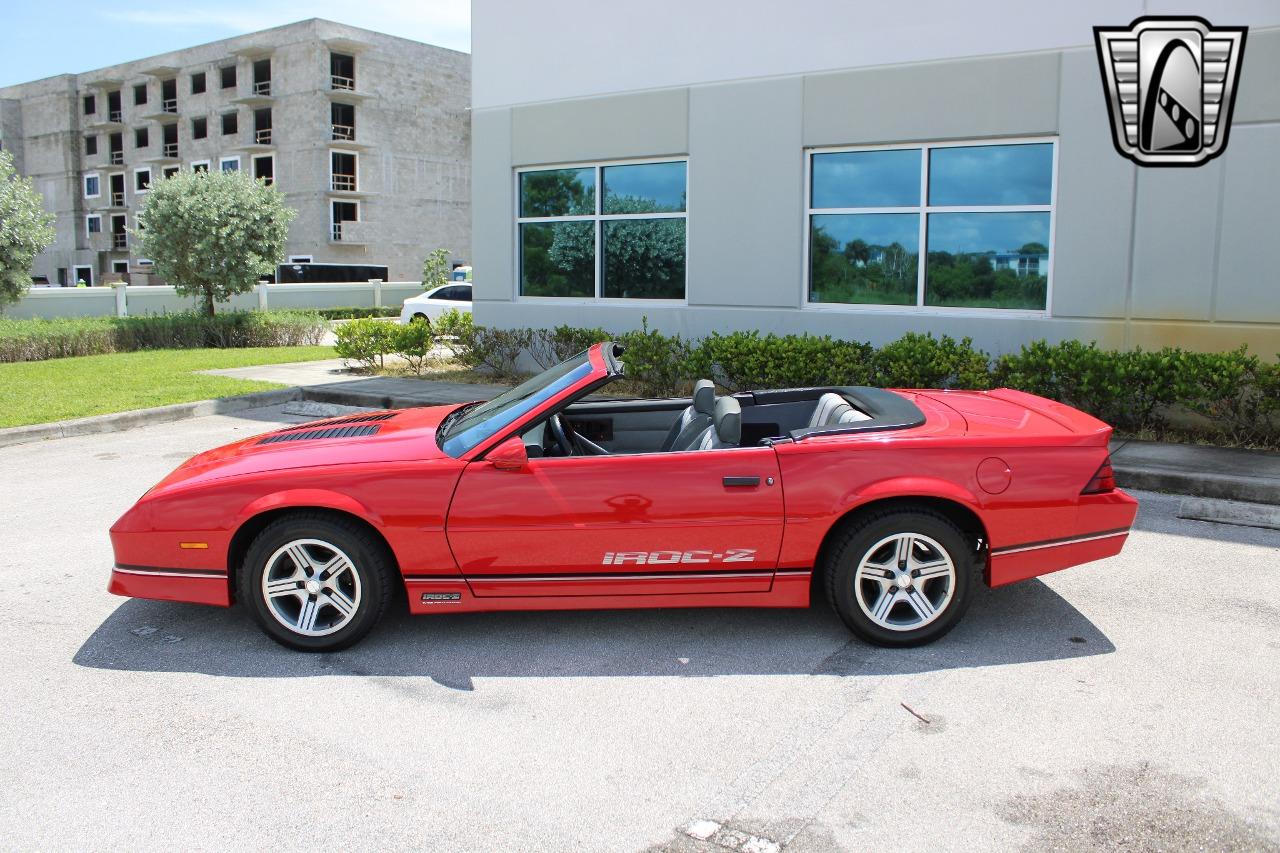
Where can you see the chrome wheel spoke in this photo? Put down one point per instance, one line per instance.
(903, 555)
(286, 586)
(307, 615)
(301, 558)
(920, 603)
(333, 568)
(884, 605)
(340, 602)
(932, 570)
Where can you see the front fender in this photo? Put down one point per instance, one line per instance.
(319, 498)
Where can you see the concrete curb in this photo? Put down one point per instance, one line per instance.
(120, 421)
(1231, 487)
(1231, 512)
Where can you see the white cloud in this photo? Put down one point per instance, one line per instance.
(443, 22)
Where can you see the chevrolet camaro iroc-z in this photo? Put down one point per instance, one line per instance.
(893, 505)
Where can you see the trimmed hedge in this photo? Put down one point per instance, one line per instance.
(37, 340)
(353, 312)
(1236, 395)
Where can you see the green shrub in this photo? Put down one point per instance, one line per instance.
(1237, 392)
(414, 342)
(923, 361)
(497, 351)
(743, 360)
(454, 323)
(353, 312)
(36, 340)
(367, 341)
(552, 346)
(657, 365)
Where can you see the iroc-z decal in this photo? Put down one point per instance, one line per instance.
(672, 558)
(441, 597)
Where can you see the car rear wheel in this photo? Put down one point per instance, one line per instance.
(315, 583)
(900, 578)
(420, 318)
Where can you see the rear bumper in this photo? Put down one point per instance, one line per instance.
(1104, 522)
(190, 585)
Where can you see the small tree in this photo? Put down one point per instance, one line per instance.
(435, 269)
(26, 230)
(213, 234)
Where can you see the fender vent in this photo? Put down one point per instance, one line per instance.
(345, 420)
(330, 432)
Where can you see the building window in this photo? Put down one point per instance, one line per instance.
(141, 137)
(142, 179)
(170, 171)
(229, 164)
(93, 224)
(344, 171)
(90, 146)
(982, 212)
(120, 267)
(198, 83)
(340, 213)
(199, 127)
(264, 168)
(199, 165)
(139, 94)
(230, 123)
(227, 75)
(90, 104)
(624, 241)
(92, 186)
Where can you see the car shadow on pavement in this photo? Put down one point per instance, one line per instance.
(1023, 623)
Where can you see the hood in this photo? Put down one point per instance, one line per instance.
(386, 436)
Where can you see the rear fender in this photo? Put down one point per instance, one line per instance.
(907, 487)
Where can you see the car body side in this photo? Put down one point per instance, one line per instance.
(1013, 487)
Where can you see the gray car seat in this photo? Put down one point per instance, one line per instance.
(693, 420)
(832, 409)
(726, 428)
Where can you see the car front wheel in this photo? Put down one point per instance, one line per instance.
(900, 578)
(315, 583)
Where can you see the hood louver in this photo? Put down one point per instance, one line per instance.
(345, 420)
(330, 432)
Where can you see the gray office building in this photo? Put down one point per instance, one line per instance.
(860, 170)
(365, 134)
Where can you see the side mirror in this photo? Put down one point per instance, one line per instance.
(509, 456)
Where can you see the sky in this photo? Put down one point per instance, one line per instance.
(41, 38)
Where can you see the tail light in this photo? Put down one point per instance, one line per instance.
(1103, 481)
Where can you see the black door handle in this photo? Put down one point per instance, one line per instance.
(741, 481)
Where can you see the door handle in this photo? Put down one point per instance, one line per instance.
(741, 481)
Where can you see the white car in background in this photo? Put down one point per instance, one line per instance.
(435, 302)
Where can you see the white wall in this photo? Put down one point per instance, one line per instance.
(527, 52)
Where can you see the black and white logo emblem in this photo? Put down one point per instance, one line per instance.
(1171, 85)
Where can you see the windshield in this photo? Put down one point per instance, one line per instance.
(478, 423)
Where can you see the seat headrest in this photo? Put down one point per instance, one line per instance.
(704, 396)
(728, 420)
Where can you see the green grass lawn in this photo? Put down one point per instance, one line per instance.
(36, 392)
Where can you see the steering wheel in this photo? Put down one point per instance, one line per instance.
(560, 434)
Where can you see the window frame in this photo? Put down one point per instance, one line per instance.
(599, 218)
(923, 209)
(253, 167)
(138, 170)
(84, 184)
(89, 217)
(230, 159)
(195, 164)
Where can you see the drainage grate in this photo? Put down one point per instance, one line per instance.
(330, 432)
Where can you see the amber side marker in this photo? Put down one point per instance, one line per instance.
(193, 546)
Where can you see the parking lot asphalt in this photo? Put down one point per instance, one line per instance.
(1132, 704)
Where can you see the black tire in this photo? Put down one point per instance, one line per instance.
(368, 584)
(930, 538)
(420, 318)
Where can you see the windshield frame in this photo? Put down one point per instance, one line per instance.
(515, 408)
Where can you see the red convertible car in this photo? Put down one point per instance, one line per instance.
(889, 503)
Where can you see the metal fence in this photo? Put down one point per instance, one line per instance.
(133, 300)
